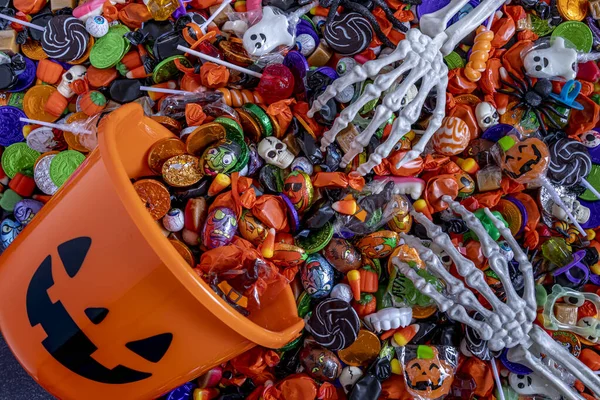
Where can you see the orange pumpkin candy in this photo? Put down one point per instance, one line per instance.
(524, 161)
(92, 102)
(49, 72)
(429, 377)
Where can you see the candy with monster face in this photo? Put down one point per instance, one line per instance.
(219, 228)
(342, 255)
(252, 229)
(317, 276)
(378, 244)
(320, 363)
(221, 157)
(26, 209)
(298, 187)
(9, 229)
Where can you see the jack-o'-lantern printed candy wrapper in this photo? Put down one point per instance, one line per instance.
(428, 370)
(524, 161)
(361, 213)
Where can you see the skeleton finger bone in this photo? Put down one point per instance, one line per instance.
(465, 267)
(558, 353)
(434, 23)
(454, 310)
(358, 74)
(524, 265)
(372, 91)
(390, 104)
(524, 356)
(389, 318)
(454, 287)
(434, 123)
(400, 127)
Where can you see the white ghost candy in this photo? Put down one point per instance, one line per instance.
(268, 34)
(552, 62)
(532, 384)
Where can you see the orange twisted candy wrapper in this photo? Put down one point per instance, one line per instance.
(480, 52)
(214, 76)
(194, 115)
(281, 111)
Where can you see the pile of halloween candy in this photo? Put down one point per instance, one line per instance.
(257, 190)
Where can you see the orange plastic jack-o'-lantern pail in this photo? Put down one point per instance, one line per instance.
(95, 301)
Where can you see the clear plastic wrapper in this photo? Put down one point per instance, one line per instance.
(428, 370)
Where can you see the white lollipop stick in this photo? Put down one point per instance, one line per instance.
(590, 188)
(62, 127)
(497, 379)
(220, 62)
(24, 23)
(559, 201)
(210, 19)
(163, 90)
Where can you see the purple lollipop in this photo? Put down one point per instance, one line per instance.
(514, 367)
(11, 128)
(297, 63)
(431, 6)
(25, 78)
(496, 132)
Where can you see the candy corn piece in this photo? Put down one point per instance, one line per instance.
(205, 394)
(221, 182)
(396, 367)
(137, 73)
(403, 336)
(210, 378)
(354, 281)
(267, 248)
(422, 207)
(347, 206)
(469, 165)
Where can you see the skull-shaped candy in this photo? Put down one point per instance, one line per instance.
(580, 212)
(552, 62)
(486, 114)
(349, 376)
(74, 73)
(275, 152)
(409, 96)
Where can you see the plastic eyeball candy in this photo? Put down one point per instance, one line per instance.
(97, 26)
(173, 221)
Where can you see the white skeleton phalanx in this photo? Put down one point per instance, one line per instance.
(421, 54)
(508, 325)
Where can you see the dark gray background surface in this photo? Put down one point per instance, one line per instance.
(15, 383)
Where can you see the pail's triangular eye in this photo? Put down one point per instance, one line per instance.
(152, 348)
(96, 314)
(73, 252)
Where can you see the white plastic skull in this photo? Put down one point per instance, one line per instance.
(580, 212)
(275, 152)
(268, 34)
(532, 384)
(349, 376)
(74, 73)
(593, 324)
(486, 114)
(552, 62)
(410, 95)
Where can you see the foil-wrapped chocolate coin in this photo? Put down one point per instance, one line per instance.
(162, 150)
(182, 170)
(155, 197)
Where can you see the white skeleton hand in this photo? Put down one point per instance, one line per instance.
(422, 57)
(507, 325)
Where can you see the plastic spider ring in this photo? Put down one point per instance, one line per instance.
(568, 94)
(572, 276)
